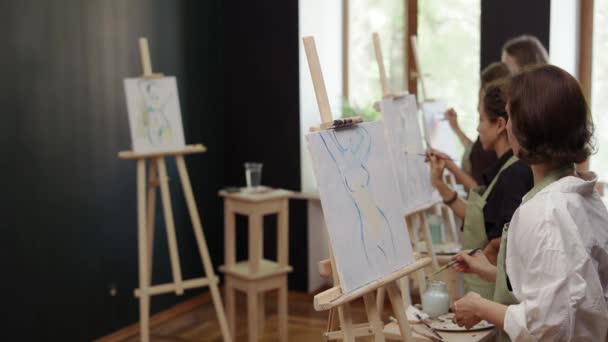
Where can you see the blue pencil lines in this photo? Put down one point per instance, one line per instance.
(350, 150)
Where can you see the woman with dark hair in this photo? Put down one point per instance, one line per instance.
(475, 159)
(490, 206)
(552, 271)
(523, 51)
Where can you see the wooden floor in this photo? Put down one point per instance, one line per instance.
(200, 324)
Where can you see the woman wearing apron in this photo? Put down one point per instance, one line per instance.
(489, 207)
(475, 160)
(552, 271)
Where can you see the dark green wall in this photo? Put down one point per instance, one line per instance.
(69, 205)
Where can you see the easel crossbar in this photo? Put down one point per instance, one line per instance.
(333, 297)
(189, 149)
(171, 287)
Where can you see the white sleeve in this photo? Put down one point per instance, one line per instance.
(539, 274)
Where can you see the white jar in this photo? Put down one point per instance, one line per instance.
(436, 299)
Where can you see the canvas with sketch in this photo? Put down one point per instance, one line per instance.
(361, 203)
(155, 118)
(437, 129)
(405, 143)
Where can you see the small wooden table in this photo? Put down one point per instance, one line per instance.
(256, 275)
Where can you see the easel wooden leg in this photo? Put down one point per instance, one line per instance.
(202, 247)
(283, 311)
(151, 211)
(229, 293)
(346, 323)
(168, 213)
(144, 280)
(380, 296)
(331, 320)
(450, 221)
(399, 311)
(219, 309)
(252, 313)
(405, 291)
(421, 281)
(373, 316)
(424, 226)
(410, 229)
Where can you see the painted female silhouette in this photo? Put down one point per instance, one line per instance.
(157, 126)
(350, 148)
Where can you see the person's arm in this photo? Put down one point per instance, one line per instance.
(458, 206)
(477, 264)
(472, 308)
(449, 196)
(543, 281)
(491, 250)
(461, 177)
(452, 118)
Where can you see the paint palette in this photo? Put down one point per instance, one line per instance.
(444, 323)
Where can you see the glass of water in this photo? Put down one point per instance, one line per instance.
(253, 174)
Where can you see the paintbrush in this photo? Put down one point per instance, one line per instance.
(430, 328)
(426, 155)
(449, 264)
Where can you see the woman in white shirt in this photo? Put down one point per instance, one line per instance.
(552, 271)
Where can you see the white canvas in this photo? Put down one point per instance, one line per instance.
(361, 203)
(155, 118)
(405, 143)
(438, 130)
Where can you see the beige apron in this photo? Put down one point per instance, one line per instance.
(474, 232)
(502, 294)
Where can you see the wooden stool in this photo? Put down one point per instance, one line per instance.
(256, 275)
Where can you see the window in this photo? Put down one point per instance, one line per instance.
(387, 17)
(599, 100)
(448, 44)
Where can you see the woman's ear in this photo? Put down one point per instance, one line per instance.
(501, 125)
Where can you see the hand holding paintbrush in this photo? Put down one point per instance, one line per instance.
(439, 156)
(476, 263)
(435, 153)
(455, 261)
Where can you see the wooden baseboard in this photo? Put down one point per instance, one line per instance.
(163, 316)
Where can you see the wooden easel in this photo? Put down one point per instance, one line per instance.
(157, 173)
(334, 297)
(446, 214)
(418, 214)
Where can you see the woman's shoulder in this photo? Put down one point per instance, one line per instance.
(518, 169)
(569, 203)
(517, 176)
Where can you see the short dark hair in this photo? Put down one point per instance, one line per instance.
(527, 50)
(550, 116)
(493, 72)
(495, 101)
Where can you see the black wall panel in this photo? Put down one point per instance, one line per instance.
(68, 203)
(502, 20)
(261, 107)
